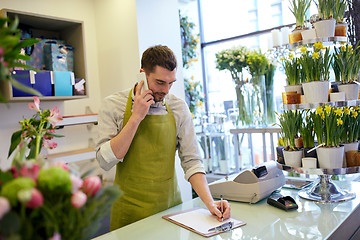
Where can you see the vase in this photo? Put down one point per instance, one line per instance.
(292, 158)
(340, 29)
(270, 101)
(351, 91)
(349, 147)
(316, 91)
(330, 157)
(243, 100)
(308, 34)
(325, 28)
(259, 106)
(294, 88)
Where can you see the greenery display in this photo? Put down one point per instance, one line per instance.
(39, 200)
(194, 96)
(10, 54)
(346, 64)
(351, 125)
(340, 7)
(289, 122)
(292, 69)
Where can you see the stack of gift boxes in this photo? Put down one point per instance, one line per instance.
(54, 60)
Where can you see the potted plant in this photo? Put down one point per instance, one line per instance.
(289, 122)
(307, 133)
(339, 12)
(234, 61)
(293, 79)
(315, 64)
(11, 55)
(328, 127)
(351, 124)
(325, 27)
(346, 66)
(298, 9)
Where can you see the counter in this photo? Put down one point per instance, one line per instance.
(310, 221)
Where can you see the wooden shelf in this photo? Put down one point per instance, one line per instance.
(43, 26)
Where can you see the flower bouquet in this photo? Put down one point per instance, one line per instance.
(39, 200)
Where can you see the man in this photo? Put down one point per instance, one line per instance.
(140, 133)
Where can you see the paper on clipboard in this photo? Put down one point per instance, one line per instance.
(200, 220)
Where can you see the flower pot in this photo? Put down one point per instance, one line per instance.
(292, 98)
(351, 91)
(349, 147)
(294, 88)
(340, 29)
(316, 92)
(337, 96)
(330, 157)
(310, 154)
(352, 158)
(325, 28)
(295, 36)
(308, 34)
(292, 158)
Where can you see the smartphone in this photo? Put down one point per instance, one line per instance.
(142, 76)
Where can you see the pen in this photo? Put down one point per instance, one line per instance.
(222, 210)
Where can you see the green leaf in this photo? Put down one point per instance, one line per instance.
(15, 140)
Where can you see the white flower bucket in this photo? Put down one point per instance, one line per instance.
(325, 28)
(351, 91)
(330, 158)
(308, 34)
(292, 158)
(293, 88)
(337, 96)
(316, 92)
(349, 147)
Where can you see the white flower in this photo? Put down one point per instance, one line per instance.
(231, 64)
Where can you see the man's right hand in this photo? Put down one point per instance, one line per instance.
(142, 102)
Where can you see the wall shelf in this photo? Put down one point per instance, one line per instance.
(349, 103)
(42, 26)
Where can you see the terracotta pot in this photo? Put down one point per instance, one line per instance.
(352, 158)
(340, 29)
(295, 36)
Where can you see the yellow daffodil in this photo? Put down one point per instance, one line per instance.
(343, 48)
(199, 104)
(315, 55)
(347, 111)
(338, 111)
(354, 114)
(318, 45)
(282, 59)
(303, 49)
(192, 77)
(291, 56)
(356, 107)
(339, 121)
(323, 116)
(327, 108)
(192, 115)
(319, 110)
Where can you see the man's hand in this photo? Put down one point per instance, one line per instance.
(215, 209)
(142, 102)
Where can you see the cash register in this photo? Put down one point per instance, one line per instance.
(250, 185)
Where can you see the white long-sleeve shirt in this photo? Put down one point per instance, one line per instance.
(110, 121)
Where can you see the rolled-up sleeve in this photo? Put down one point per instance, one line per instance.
(109, 125)
(187, 145)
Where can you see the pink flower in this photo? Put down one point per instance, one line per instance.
(1, 51)
(78, 199)
(36, 200)
(76, 183)
(56, 236)
(54, 117)
(4, 206)
(49, 144)
(61, 164)
(35, 105)
(31, 171)
(91, 185)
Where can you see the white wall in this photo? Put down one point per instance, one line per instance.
(11, 114)
(158, 23)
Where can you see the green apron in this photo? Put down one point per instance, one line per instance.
(147, 174)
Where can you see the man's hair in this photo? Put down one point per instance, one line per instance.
(158, 56)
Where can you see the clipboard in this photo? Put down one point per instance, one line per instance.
(185, 218)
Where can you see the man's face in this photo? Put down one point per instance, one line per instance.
(160, 81)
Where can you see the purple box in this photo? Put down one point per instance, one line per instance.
(24, 77)
(43, 83)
